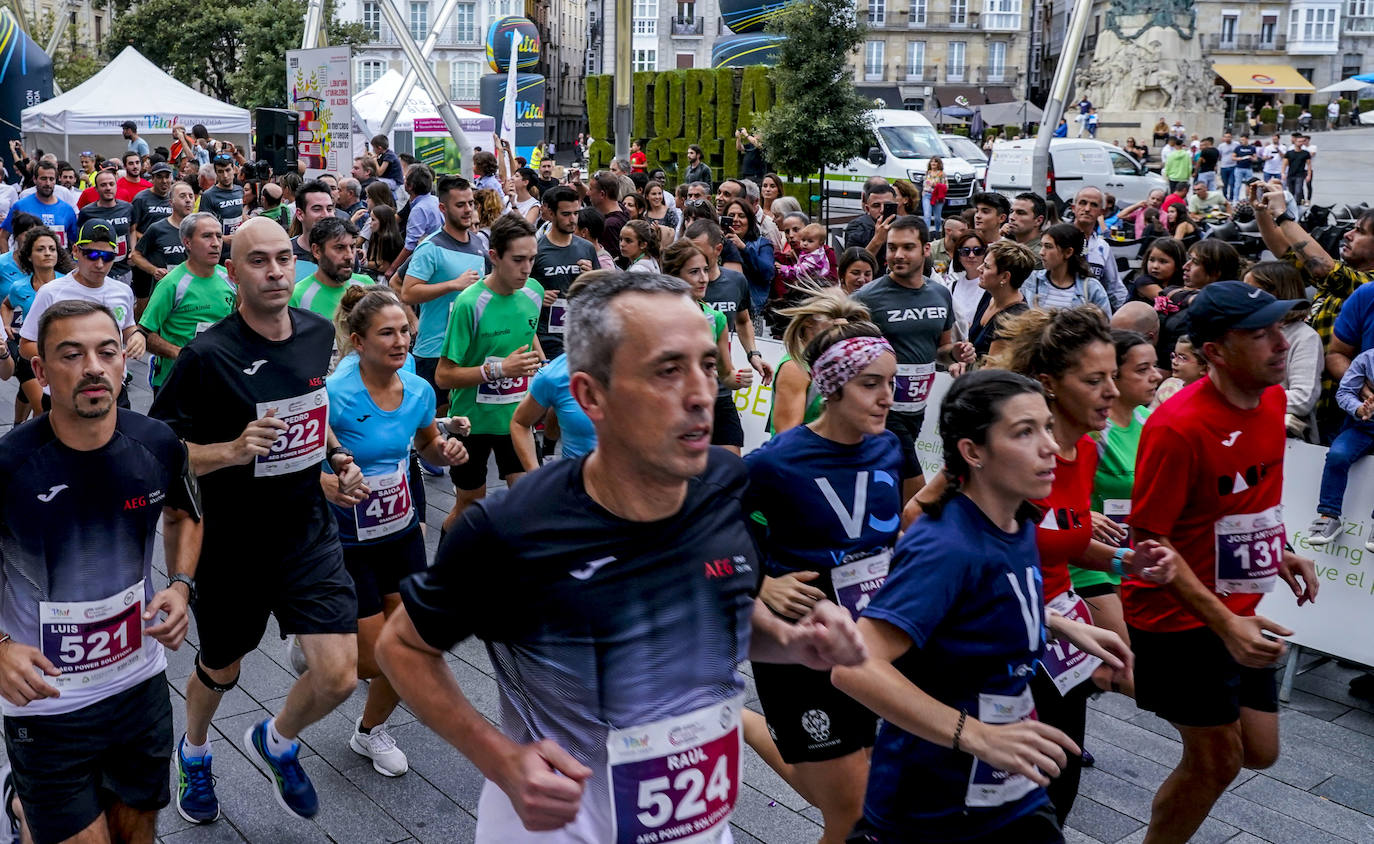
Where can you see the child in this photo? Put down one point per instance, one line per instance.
(388, 165)
(1354, 441)
(1189, 366)
(812, 259)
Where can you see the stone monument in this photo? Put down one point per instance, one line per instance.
(1148, 64)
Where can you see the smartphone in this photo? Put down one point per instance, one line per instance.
(727, 223)
(889, 209)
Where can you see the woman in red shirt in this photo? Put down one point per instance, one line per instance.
(1071, 353)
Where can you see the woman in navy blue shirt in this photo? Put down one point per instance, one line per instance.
(955, 634)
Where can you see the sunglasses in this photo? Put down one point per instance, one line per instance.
(98, 254)
(972, 251)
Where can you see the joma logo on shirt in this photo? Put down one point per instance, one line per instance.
(904, 314)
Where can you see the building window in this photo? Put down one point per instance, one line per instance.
(99, 30)
(873, 59)
(646, 17)
(1351, 65)
(1228, 30)
(419, 20)
(955, 69)
(958, 12)
(463, 81)
(916, 61)
(1360, 8)
(877, 12)
(1308, 24)
(1269, 26)
(465, 23)
(372, 20)
(918, 12)
(646, 60)
(997, 61)
(368, 71)
(503, 8)
(1002, 14)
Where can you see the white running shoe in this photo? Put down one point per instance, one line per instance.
(380, 747)
(295, 655)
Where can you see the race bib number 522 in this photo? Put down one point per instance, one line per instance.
(301, 445)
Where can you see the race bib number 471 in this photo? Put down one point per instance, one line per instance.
(676, 780)
(301, 445)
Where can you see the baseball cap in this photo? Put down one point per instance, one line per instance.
(162, 167)
(109, 164)
(95, 231)
(129, 124)
(1232, 305)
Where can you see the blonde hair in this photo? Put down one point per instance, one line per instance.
(1048, 342)
(814, 231)
(828, 303)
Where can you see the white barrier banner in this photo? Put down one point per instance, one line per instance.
(319, 86)
(1338, 624)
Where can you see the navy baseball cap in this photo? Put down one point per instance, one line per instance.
(95, 231)
(1232, 305)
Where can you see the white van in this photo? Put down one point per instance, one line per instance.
(903, 142)
(1074, 163)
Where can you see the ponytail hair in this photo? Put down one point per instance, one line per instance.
(357, 306)
(648, 235)
(970, 409)
(1049, 342)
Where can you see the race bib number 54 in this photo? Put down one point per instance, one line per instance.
(301, 445)
(676, 780)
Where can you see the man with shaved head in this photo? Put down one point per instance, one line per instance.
(247, 395)
(1138, 317)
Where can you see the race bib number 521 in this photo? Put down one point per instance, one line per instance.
(92, 642)
(301, 445)
(676, 780)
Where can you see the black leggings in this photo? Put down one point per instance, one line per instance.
(1069, 713)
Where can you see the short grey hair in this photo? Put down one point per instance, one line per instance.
(623, 164)
(187, 229)
(207, 171)
(786, 205)
(705, 186)
(594, 327)
(351, 185)
(751, 190)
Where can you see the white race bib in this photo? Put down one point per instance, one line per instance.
(1249, 548)
(856, 581)
(558, 316)
(387, 508)
(1065, 664)
(502, 390)
(676, 780)
(989, 786)
(92, 642)
(913, 385)
(302, 444)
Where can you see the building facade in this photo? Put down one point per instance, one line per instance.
(86, 24)
(927, 53)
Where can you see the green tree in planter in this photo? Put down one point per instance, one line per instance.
(819, 118)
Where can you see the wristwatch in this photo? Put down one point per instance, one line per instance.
(750, 356)
(190, 585)
(338, 449)
(1285, 217)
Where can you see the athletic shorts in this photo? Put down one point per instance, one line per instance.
(426, 369)
(1038, 827)
(308, 593)
(726, 428)
(378, 567)
(473, 474)
(142, 283)
(1089, 583)
(907, 427)
(23, 370)
(811, 720)
(70, 768)
(1189, 678)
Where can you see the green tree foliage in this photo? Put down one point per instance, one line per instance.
(73, 62)
(819, 118)
(235, 53)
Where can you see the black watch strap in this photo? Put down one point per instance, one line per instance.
(338, 449)
(1285, 217)
(190, 584)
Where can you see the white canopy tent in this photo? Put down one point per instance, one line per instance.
(130, 87)
(370, 106)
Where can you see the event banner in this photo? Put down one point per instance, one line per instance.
(1345, 600)
(319, 85)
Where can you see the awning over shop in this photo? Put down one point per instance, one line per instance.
(1263, 79)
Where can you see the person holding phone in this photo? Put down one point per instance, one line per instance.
(869, 230)
(933, 192)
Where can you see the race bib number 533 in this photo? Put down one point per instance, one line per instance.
(301, 445)
(676, 780)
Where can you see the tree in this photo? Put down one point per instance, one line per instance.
(819, 118)
(235, 53)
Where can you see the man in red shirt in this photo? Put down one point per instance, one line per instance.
(130, 185)
(1209, 481)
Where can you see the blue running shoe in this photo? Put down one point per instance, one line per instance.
(293, 788)
(196, 800)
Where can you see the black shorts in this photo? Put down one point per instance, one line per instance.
(426, 369)
(70, 768)
(811, 720)
(310, 593)
(1189, 678)
(378, 567)
(473, 474)
(726, 428)
(1039, 827)
(417, 485)
(907, 427)
(1095, 590)
(141, 282)
(23, 370)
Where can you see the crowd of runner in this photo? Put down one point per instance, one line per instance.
(924, 645)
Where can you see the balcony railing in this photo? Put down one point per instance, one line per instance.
(689, 27)
(874, 73)
(918, 73)
(946, 21)
(450, 36)
(1248, 43)
(958, 73)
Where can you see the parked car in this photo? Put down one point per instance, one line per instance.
(970, 152)
(1074, 163)
(903, 143)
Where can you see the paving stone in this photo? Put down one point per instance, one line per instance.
(417, 805)
(771, 823)
(1267, 823)
(347, 814)
(1347, 792)
(1321, 813)
(1103, 823)
(215, 833)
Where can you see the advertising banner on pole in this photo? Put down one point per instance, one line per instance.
(319, 85)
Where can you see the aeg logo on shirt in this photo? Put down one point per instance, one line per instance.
(727, 566)
(1241, 481)
(904, 314)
